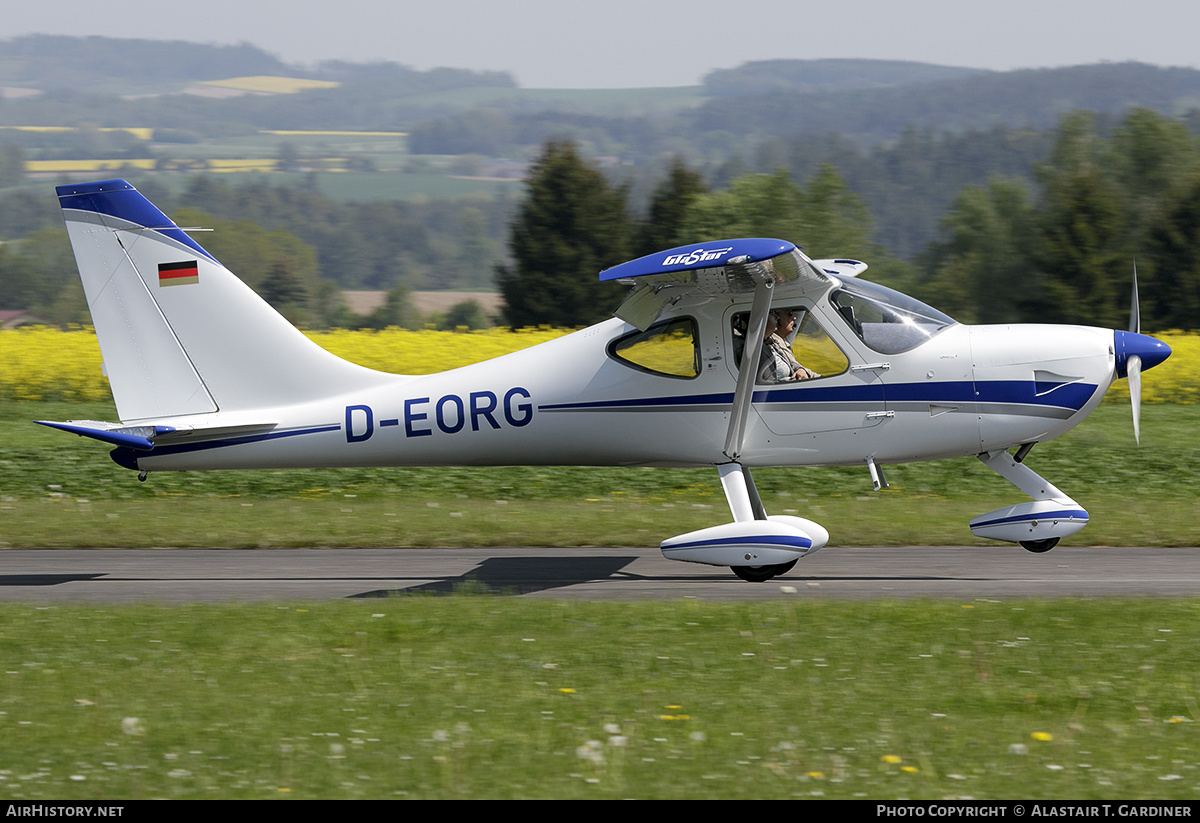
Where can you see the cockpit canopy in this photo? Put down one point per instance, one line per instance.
(884, 319)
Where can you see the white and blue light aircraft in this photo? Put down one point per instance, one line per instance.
(734, 354)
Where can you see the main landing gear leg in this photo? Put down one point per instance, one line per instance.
(745, 504)
(755, 546)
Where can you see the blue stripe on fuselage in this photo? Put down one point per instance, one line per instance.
(1020, 392)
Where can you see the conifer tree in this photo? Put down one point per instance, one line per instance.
(1171, 292)
(668, 209)
(572, 224)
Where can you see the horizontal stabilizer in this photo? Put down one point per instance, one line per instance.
(133, 437)
(147, 437)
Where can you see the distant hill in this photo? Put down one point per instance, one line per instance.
(456, 111)
(806, 76)
(48, 62)
(130, 67)
(974, 100)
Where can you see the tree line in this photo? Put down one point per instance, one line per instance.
(1060, 247)
(1063, 248)
(1057, 245)
(296, 246)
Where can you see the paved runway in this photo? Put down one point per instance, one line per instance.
(190, 576)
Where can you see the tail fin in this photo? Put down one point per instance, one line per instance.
(179, 333)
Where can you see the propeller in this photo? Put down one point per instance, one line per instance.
(1133, 366)
(1133, 369)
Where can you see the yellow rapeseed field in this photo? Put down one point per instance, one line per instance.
(269, 84)
(1175, 381)
(41, 363)
(241, 164)
(327, 132)
(425, 352)
(140, 132)
(86, 165)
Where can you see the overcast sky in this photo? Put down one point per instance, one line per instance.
(630, 43)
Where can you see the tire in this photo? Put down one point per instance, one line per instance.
(784, 568)
(761, 574)
(754, 574)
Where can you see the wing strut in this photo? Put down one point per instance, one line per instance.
(751, 352)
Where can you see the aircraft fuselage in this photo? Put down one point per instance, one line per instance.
(964, 391)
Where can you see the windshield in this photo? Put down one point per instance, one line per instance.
(886, 320)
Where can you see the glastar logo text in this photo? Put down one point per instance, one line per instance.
(697, 256)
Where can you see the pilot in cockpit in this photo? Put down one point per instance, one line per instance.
(778, 364)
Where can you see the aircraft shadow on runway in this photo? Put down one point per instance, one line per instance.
(518, 575)
(46, 579)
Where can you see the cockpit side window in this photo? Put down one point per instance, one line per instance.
(886, 320)
(801, 350)
(670, 349)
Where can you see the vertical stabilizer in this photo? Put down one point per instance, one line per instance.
(179, 333)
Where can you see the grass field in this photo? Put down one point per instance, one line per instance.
(481, 696)
(478, 696)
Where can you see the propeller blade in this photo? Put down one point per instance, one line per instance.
(1133, 370)
(1135, 314)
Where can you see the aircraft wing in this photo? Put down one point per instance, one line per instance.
(711, 269)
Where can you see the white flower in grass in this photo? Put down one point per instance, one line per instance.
(591, 751)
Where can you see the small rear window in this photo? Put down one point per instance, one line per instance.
(669, 349)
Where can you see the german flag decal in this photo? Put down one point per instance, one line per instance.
(178, 274)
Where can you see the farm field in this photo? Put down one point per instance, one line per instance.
(346, 165)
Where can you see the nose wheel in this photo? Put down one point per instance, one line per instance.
(1040, 546)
